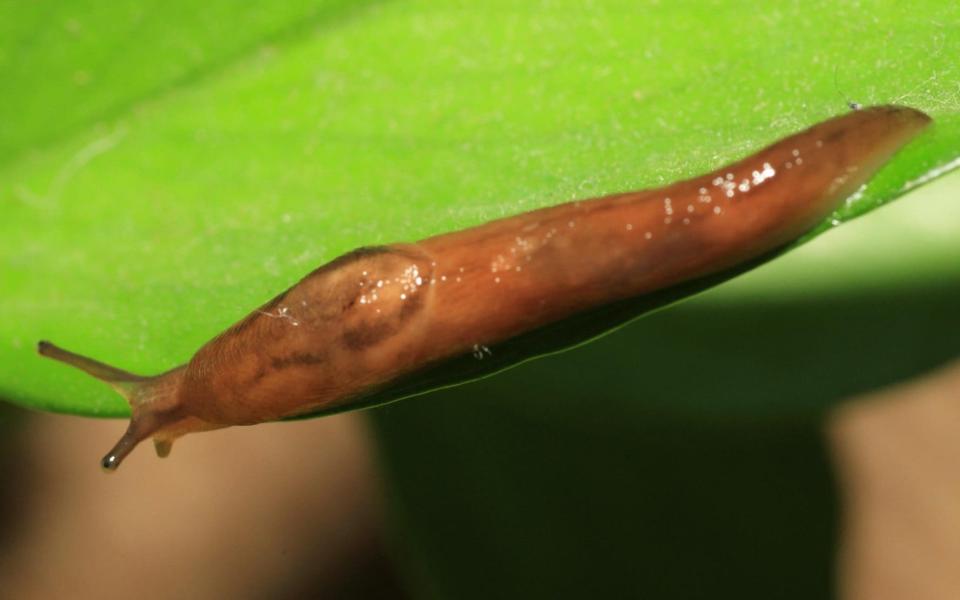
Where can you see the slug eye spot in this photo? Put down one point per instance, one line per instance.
(110, 462)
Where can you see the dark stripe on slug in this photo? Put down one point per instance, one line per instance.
(350, 257)
(285, 362)
(411, 306)
(366, 335)
(298, 359)
(376, 330)
(260, 374)
(339, 262)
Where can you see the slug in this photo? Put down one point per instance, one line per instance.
(371, 319)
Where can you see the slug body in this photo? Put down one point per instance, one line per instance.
(376, 315)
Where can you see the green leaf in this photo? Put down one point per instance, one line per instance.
(166, 169)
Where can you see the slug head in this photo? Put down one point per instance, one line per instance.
(154, 403)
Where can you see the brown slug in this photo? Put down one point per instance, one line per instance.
(373, 317)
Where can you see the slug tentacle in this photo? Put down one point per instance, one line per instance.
(137, 430)
(122, 381)
(154, 402)
(381, 320)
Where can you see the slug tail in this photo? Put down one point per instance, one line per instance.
(153, 402)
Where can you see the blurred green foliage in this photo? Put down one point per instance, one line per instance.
(165, 167)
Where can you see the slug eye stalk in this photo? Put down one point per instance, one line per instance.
(151, 401)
